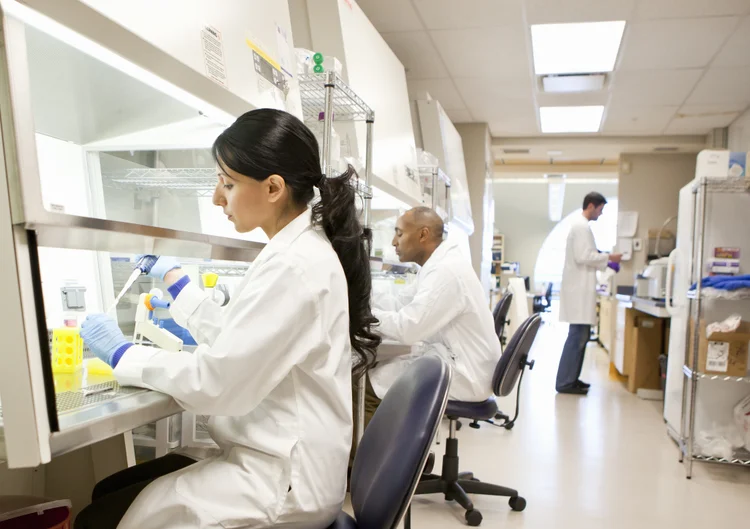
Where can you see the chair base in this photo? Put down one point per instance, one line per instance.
(456, 486)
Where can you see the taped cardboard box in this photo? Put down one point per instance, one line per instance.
(722, 353)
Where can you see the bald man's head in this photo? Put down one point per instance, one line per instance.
(419, 232)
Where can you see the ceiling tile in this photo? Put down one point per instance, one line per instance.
(653, 87)
(460, 116)
(484, 53)
(455, 14)
(391, 15)
(699, 124)
(505, 93)
(710, 110)
(417, 54)
(690, 8)
(555, 11)
(514, 126)
(720, 86)
(736, 52)
(637, 119)
(444, 90)
(679, 43)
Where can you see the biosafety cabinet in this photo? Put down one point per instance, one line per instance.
(106, 155)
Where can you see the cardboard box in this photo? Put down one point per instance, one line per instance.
(723, 353)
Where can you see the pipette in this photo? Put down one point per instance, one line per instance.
(143, 264)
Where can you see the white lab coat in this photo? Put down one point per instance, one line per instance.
(444, 313)
(273, 369)
(582, 260)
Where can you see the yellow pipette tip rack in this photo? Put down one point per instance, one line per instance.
(67, 350)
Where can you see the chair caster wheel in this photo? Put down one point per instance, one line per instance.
(509, 426)
(473, 518)
(449, 497)
(474, 425)
(459, 424)
(517, 503)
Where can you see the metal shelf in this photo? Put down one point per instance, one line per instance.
(347, 106)
(182, 181)
(723, 185)
(740, 457)
(710, 376)
(727, 295)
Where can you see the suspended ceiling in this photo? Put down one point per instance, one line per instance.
(683, 67)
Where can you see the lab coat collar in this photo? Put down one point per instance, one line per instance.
(439, 253)
(288, 234)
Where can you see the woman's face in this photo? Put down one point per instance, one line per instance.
(245, 201)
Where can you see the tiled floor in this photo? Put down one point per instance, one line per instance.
(601, 461)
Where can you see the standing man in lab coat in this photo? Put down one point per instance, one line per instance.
(578, 293)
(445, 313)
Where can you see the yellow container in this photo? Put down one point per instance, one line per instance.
(67, 350)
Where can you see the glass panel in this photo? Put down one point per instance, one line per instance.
(111, 146)
(76, 283)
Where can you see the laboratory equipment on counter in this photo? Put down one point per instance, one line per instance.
(708, 217)
(642, 286)
(656, 274)
(145, 327)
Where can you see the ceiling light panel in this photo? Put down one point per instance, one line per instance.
(588, 47)
(571, 119)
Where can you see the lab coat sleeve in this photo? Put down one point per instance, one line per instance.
(438, 300)
(273, 327)
(584, 249)
(194, 310)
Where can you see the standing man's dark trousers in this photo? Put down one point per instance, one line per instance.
(571, 361)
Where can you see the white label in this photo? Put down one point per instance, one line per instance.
(213, 55)
(57, 208)
(717, 358)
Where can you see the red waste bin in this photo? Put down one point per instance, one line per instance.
(30, 512)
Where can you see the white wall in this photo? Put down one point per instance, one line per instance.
(651, 187)
(739, 133)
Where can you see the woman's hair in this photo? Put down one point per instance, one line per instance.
(266, 142)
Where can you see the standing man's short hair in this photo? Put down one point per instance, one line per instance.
(597, 199)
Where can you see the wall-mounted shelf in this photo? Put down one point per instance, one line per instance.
(185, 182)
(347, 106)
(710, 376)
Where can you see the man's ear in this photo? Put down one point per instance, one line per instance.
(424, 234)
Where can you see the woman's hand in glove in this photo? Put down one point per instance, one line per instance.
(104, 338)
(157, 267)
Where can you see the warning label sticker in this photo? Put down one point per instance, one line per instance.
(213, 55)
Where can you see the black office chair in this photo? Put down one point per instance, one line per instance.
(457, 485)
(543, 303)
(395, 446)
(500, 315)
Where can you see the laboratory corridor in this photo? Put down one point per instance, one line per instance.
(603, 460)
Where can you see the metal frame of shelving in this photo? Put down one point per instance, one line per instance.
(696, 297)
(329, 94)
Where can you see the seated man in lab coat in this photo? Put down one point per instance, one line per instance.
(444, 313)
(578, 293)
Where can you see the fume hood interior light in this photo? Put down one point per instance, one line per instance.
(571, 119)
(587, 47)
(63, 33)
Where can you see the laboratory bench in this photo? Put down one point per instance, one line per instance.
(641, 337)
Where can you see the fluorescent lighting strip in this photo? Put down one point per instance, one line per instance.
(587, 47)
(55, 29)
(558, 120)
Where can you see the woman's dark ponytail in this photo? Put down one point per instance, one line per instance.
(265, 142)
(336, 212)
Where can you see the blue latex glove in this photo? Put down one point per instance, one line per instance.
(104, 338)
(614, 266)
(157, 267)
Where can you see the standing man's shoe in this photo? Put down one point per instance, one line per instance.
(581, 384)
(573, 391)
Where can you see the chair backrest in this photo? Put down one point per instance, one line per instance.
(396, 443)
(509, 366)
(548, 293)
(500, 314)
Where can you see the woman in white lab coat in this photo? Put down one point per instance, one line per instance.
(273, 368)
